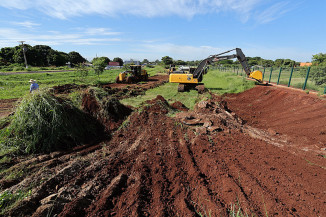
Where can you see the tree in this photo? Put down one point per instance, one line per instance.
(278, 62)
(75, 58)
(41, 57)
(167, 60)
(2, 61)
(268, 63)
(99, 64)
(118, 59)
(7, 54)
(180, 63)
(57, 58)
(105, 59)
(145, 61)
(82, 70)
(319, 59)
(288, 63)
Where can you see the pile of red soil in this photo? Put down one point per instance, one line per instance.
(298, 116)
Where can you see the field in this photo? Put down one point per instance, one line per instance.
(238, 149)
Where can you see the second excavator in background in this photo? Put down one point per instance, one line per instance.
(191, 79)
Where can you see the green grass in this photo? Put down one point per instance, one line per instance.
(225, 82)
(20, 68)
(169, 92)
(154, 71)
(17, 85)
(215, 81)
(297, 80)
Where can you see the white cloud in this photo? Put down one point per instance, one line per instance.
(274, 12)
(148, 8)
(100, 31)
(9, 37)
(182, 52)
(153, 51)
(26, 24)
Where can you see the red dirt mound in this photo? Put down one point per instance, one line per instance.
(298, 116)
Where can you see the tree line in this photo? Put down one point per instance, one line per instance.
(252, 61)
(38, 55)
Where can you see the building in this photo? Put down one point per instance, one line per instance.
(305, 64)
(113, 65)
(133, 62)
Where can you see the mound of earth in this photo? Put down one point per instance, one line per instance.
(109, 111)
(205, 162)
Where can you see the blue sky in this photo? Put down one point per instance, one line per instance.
(182, 29)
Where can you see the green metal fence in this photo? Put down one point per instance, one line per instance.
(305, 78)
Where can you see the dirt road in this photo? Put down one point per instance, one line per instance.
(248, 153)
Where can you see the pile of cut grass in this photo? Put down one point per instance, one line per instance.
(45, 123)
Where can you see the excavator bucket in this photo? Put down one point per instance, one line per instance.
(257, 75)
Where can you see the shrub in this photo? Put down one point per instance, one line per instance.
(45, 123)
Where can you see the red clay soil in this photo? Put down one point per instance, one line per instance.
(296, 116)
(205, 162)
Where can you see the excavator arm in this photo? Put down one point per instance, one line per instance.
(218, 57)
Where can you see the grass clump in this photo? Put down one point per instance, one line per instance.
(44, 123)
(9, 199)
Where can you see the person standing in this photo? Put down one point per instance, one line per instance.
(34, 85)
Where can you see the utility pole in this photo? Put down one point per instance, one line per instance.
(24, 50)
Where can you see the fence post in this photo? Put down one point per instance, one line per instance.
(263, 74)
(237, 70)
(305, 83)
(270, 76)
(290, 76)
(279, 75)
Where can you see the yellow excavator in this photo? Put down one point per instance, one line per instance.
(192, 78)
(134, 75)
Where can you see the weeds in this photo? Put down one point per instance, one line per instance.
(237, 211)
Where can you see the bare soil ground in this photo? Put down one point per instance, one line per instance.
(7, 106)
(262, 150)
